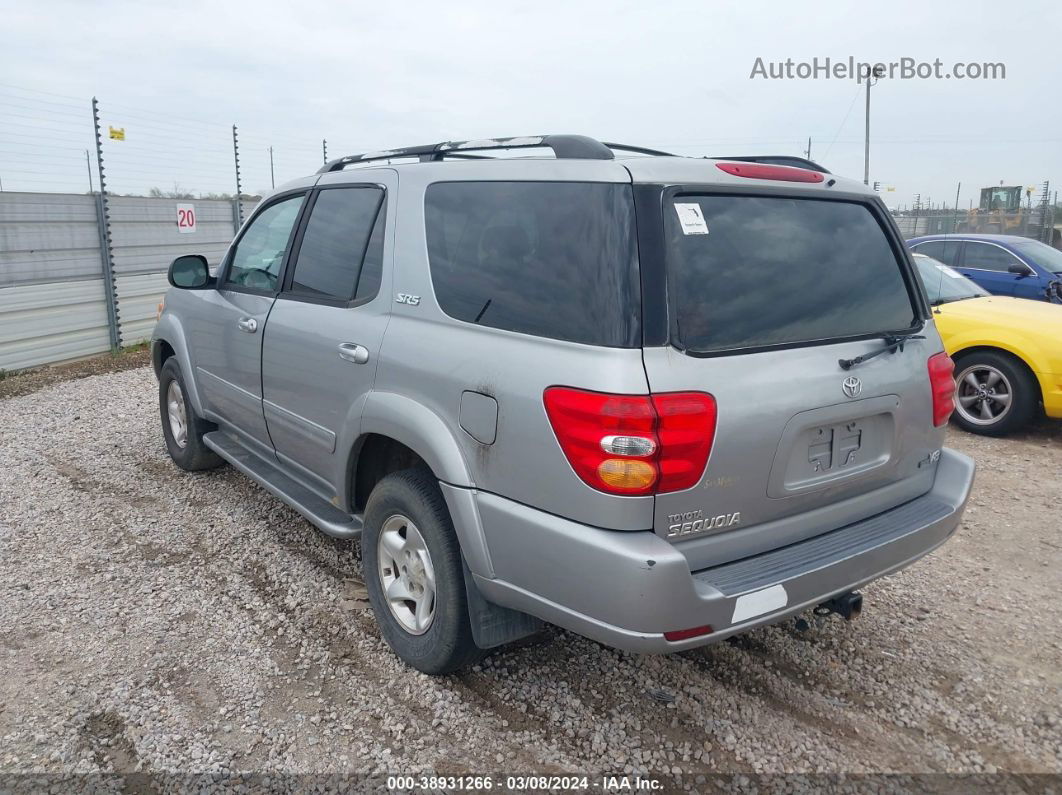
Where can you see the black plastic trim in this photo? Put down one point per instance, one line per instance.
(649, 221)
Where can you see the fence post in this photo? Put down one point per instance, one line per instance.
(239, 186)
(103, 226)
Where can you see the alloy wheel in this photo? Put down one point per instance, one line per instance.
(406, 574)
(983, 394)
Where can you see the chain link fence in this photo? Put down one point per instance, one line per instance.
(1038, 223)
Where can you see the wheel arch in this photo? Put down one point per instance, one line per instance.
(168, 341)
(1000, 351)
(397, 432)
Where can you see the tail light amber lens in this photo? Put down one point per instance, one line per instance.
(942, 384)
(633, 444)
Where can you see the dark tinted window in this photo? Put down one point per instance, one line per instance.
(748, 271)
(372, 267)
(260, 252)
(986, 257)
(946, 251)
(335, 242)
(553, 259)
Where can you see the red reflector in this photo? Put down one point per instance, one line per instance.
(676, 428)
(686, 634)
(943, 386)
(766, 171)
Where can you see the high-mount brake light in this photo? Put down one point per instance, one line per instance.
(942, 384)
(633, 444)
(766, 171)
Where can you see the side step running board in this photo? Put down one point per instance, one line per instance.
(327, 517)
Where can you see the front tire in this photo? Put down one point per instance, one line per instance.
(994, 394)
(411, 566)
(181, 427)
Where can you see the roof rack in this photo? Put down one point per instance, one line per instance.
(778, 160)
(565, 147)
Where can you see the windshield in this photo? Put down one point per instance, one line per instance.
(753, 271)
(944, 284)
(1041, 253)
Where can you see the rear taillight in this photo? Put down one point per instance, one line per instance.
(765, 171)
(943, 386)
(633, 444)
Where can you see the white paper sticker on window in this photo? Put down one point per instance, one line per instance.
(691, 219)
(759, 602)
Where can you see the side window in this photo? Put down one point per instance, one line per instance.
(339, 237)
(987, 257)
(372, 268)
(551, 259)
(260, 252)
(945, 251)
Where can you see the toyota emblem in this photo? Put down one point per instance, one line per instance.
(852, 386)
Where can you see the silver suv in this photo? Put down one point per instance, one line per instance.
(655, 400)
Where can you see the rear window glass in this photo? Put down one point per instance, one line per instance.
(553, 259)
(748, 271)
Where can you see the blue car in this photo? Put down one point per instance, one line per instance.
(1001, 264)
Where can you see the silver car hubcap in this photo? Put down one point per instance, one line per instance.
(406, 574)
(982, 395)
(177, 414)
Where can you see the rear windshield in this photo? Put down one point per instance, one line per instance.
(749, 272)
(553, 259)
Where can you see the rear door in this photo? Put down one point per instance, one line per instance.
(767, 294)
(322, 342)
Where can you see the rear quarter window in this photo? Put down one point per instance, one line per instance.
(552, 259)
(768, 271)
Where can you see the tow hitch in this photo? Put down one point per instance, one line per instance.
(848, 606)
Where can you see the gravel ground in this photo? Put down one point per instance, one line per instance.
(160, 621)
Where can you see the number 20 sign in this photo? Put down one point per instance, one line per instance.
(185, 218)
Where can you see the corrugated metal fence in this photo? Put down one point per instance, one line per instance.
(53, 302)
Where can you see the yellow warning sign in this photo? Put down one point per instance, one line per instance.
(117, 133)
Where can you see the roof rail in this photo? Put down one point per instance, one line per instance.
(778, 160)
(565, 147)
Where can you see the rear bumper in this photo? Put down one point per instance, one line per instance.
(626, 589)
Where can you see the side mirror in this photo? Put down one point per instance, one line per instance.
(1019, 268)
(190, 272)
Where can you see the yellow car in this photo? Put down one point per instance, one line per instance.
(1007, 351)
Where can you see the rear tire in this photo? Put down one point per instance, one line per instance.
(181, 427)
(994, 393)
(411, 566)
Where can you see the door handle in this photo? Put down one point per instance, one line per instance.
(353, 352)
(248, 324)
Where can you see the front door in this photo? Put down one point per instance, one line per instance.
(227, 337)
(323, 338)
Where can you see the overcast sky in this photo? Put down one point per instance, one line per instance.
(675, 76)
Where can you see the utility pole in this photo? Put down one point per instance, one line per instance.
(324, 150)
(955, 225)
(876, 73)
(807, 152)
(272, 181)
